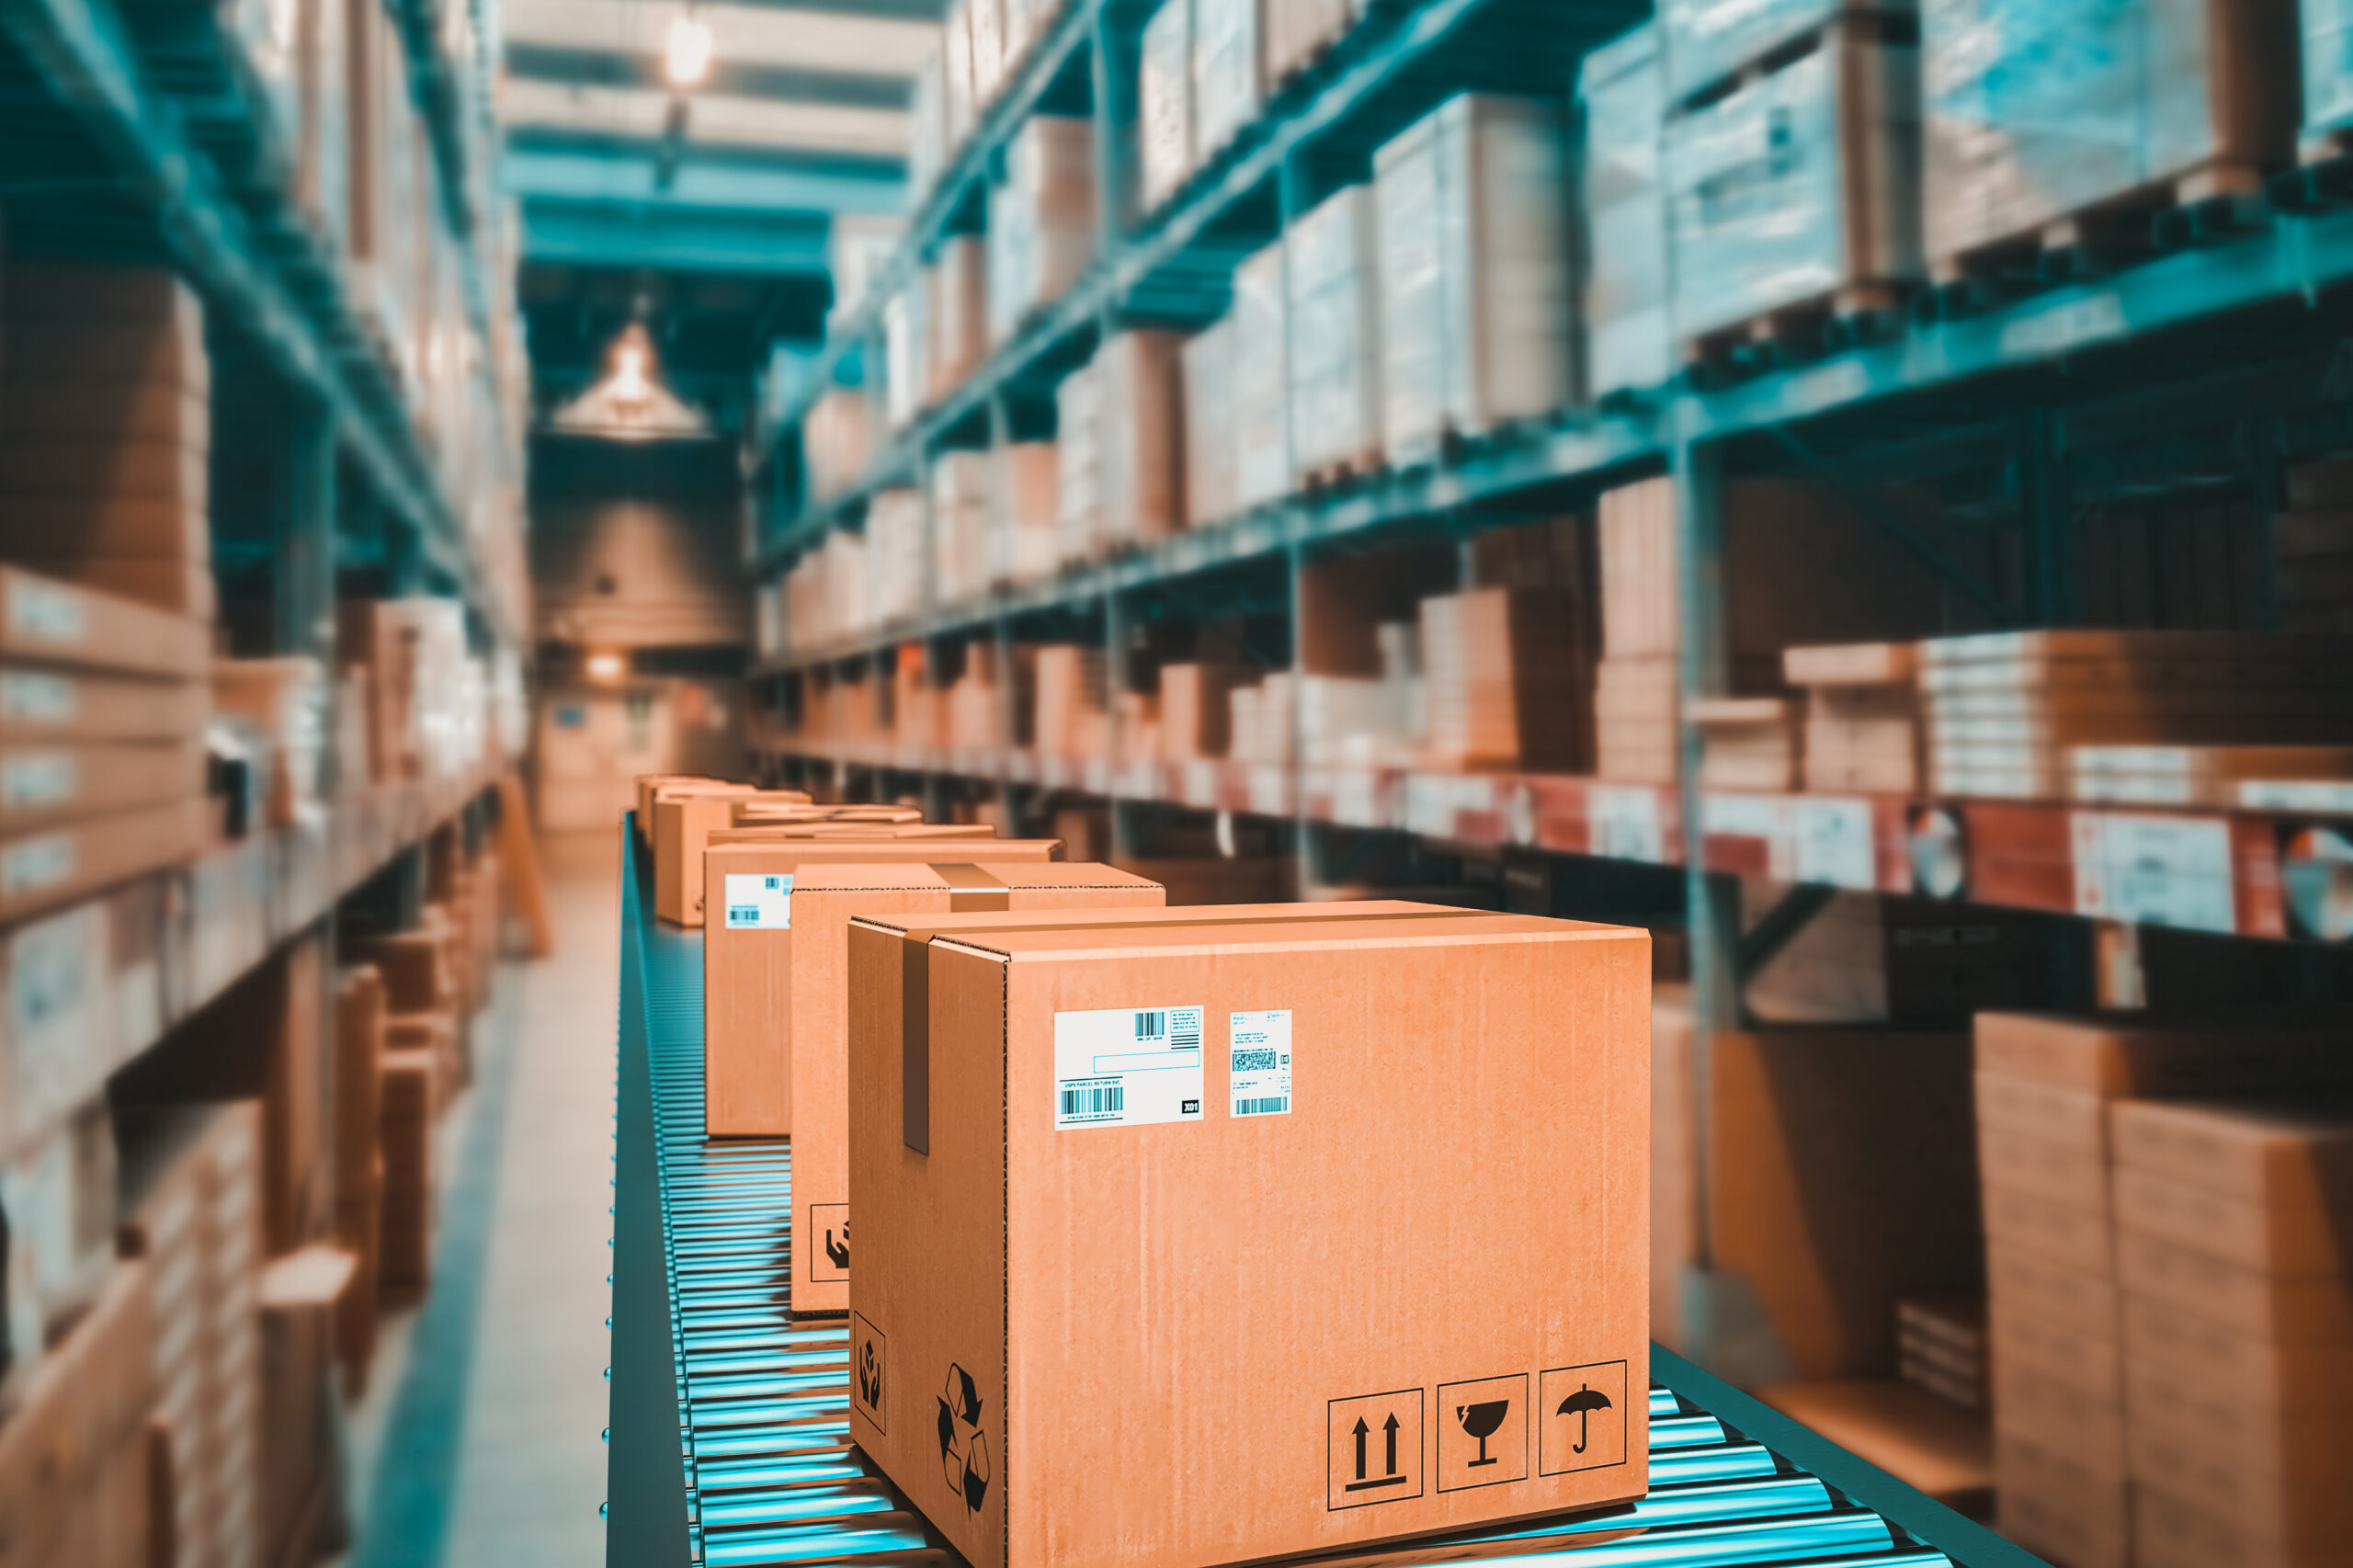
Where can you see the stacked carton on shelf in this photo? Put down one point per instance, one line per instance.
(956, 311)
(960, 543)
(1332, 302)
(1073, 716)
(1165, 94)
(1622, 92)
(837, 439)
(1139, 438)
(1042, 219)
(1260, 379)
(1747, 742)
(1212, 440)
(1027, 485)
(106, 433)
(1227, 79)
(1862, 716)
(1505, 683)
(1296, 33)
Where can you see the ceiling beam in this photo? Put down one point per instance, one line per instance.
(609, 173)
(671, 239)
(709, 119)
(742, 35)
(792, 83)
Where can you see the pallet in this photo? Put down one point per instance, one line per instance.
(2217, 200)
(1852, 313)
(1343, 473)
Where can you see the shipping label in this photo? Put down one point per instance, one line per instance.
(1260, 1064)
(38, 778)
(36, 698)
(1127, 1066)
(759, 902)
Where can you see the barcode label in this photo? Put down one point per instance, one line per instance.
(1127, 1066)
(1258, 1063)
(757, 902)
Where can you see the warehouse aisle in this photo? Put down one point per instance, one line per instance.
(481, 1445)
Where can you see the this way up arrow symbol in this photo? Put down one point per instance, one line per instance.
(1392, 1444)
(1388, 1426)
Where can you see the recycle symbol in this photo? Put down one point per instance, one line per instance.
(963, 1447)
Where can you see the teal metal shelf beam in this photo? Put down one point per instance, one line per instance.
(674, 239)
(604, 172)
(86, 53)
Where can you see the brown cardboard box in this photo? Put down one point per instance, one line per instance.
(41, 784)
(405, 1135)
(2022, 1219)
(413, 967)
(81, 1405)
(2064, 1299)
(773, 807)
(39, 705)
(49, 622)
(685, 816)
(2062, 1118)
(2082, 1425)
(2277, 1156)
(358, 1045)
(747, 959)
(816, 1042)
(647, 783)
(48, 866)
(2046, 1170)
(2287, 1312)
(2170, 1531)
(2283, 1241)
(299, 1297)
(1194, 709)
(2284, 1382)
(1471, 1110)
(2086, 1357)
(2305, 1504)
(2122, 1057)
(2176, 1404)
(2054, 1504)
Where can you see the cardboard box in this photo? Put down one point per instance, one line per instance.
(43, 706)
(359, 1044)
(2274, 1156)
(2283, 1241)
(2087, 1427)
(49, 622)
(748, 956)
(2055, 1504)
(825, 898)
(2025, 1221)
(56, 782)
(2122, 1057)
(2170, 1531)
(2277, 1382)
(2284, 1310)
(2050, 1171)
(48, 866)
(299, 1297)
(77, 1407)
(684, 819)
(2302, 1504)
(2074, 1119)
(1005, 1137)
(2171, 1404)
(644, 784)
(2064, 1297)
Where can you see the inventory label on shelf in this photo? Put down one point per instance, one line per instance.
(1127, 1066)
(1833, 843)
(1269, 790)
(2065, 326)
(34, 695)
(2329, 796)
(1622, 823)
(30, 864)
(54, 615)
(2157, 870)
(38, 778)
(759, 902)
(1260, 1062)
(1762, 817)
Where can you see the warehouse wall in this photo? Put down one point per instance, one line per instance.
(637, 545)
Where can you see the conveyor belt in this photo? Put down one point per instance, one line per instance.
(770, 1476)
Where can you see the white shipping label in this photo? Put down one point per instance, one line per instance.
(758, 902)
(34, 863)
(53, 614)
(1260, 1064)
(1625, 822)
(36, 698)
(1127, 1066)
(38, 778)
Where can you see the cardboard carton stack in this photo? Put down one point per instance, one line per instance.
(1211, 441)
(1504, 684)
(1332, 258)
(1260, 378)
(961, 486)
(192, 1185)
(1141, 438)
(957, 314)
(1028, 512)
(2203, 775)
(1862, 716)
(359, 1163)
(1078, 453)
(103, 706)
(1747, 742)
(2232, 1245)
(1227, 83)
(75, 1461)
(1622, 92)
(1073, 703)
(2004, 707)
(281, 703)
(837, 439)
(300, 1298)
(906, 386)
(106, 434)
(2048, 1099)
(408, 1099)
(1474, 272)
(1164, 98)
(1195, 709)
(974, 720)
(1940, 1346)
(1136, 1054)
(1042, 219)
(895, 555)
(1637, 736)
(1261, 719)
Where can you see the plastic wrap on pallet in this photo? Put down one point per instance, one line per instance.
(1474, 272)
(1706, 41)
(903, 347)
(956, 313)
(1296, 31)
(1042, 219)
(1140, 412)
(1795, 185)
(1028, 521)
(894, 555)
(986, 23)
(926, 128)
(1164, 109)
(1623, 94)
(2327, 27)
(956, 78)
(1078, 446)
(1334, 299)
(1210, 438)
(1226, 92)
(837, 438)
(1261, 381)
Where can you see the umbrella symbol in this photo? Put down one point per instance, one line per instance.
(1584, 1402)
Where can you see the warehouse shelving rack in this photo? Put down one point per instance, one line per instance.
(730, 1436)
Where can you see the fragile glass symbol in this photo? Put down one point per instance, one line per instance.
(1479, 1421)
(1390, 1475)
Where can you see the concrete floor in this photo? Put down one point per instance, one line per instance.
(479, 1443)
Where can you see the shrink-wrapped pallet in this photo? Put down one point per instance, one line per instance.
(1078, 448)
(1261, 381)
(1028, 518)
(956, 313)
(1799, 189)
(905, 383)
(837, 438)
(987, 23)
(1165, 108)
(1709, 41)
(895, 555)
(1042, 219)
(1211, 437)
(1474, 272)
(926, 128)
(1226, 72)
(1628, 342)
(2036, 110)
(1334, 301)
(1140, 409)
(956, 78)
(961, 486)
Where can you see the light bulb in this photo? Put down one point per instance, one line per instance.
(688, 59)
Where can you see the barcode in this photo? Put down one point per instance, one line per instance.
(1274, 1105)
(738, 914)
(1100, 1100)
(1253, 1061)
(773, 884)
(1151, 1025)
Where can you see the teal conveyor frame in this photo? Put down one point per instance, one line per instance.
(730, 1439)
